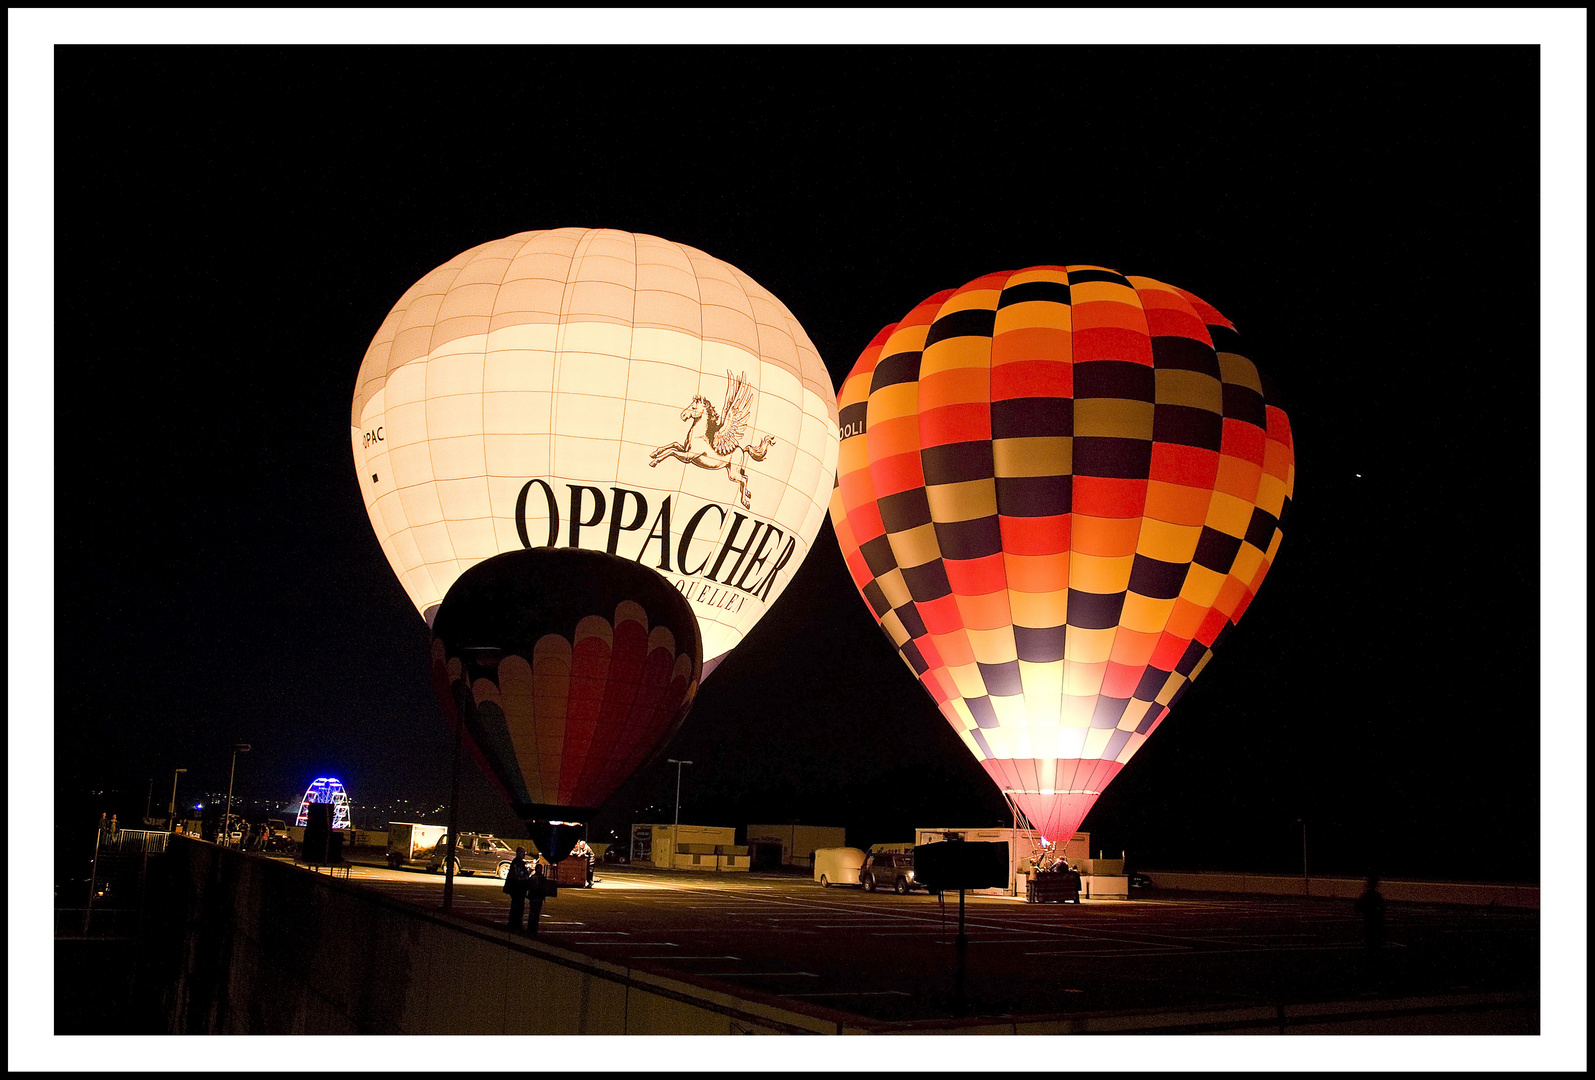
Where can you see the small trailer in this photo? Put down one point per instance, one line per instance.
(410, 844)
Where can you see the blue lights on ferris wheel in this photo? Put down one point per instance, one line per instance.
(326, 789)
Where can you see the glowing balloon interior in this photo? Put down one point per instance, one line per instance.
(603, 390)
(1057, 490)
(570, 670)
(325, 789)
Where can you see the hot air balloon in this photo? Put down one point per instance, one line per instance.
(603, 390)
(1058, 489)
(569, 670)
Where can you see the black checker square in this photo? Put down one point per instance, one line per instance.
(1216, 550)
(1053, 292)
(894, 369)
(1183, 354)
(877, 599)
(1114, 459)
(973, 539)
(878, 555)
(1260, 532)
(1002, 680)
(980, 708)
(1156, 579)
(1032, 418)
(1244, 403)
(1108, 712)
(905, 510)
(1152, 716)
(915, 658)
(1115, 379)
(957, 463)
(1189, 659)
(1186, 425)
(971, 322)
(1040, 646)
(1152, 680)
(1034, 496)
(927, 581)
(1079, 277)
(909, 616)
(1095, 611)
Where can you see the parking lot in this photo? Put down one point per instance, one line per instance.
(892, 959)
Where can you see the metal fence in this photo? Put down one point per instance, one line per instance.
(134, 841)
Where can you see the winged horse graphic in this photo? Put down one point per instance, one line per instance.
(718, 443)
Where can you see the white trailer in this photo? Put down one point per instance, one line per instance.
(410, 843)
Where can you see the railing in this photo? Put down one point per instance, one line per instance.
(134, 841)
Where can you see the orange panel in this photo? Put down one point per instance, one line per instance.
(1037, 573)
(1176, 503)
(1133, 648)
(988, 612)
(1238, 477)
(1109, 537)
(1185, 618)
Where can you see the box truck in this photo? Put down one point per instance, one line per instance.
(411, 844)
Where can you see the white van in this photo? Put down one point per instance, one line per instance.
(837, 865)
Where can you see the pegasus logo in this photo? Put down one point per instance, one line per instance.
(718, 443)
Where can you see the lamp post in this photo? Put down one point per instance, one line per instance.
(171, 807)
(227, 815)
(675, 829)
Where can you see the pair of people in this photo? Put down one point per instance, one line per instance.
(526, 884)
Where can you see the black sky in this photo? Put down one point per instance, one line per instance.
(232, 224)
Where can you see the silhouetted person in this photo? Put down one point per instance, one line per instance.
(538, 887)
(115, 829)
(515, 883)
(1371, 906)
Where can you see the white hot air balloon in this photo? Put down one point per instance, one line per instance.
(597, 389)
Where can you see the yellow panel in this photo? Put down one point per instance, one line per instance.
(894, 629)
(1085, 292)
(969, 681)
(1193, 388)
(973, 300)
(890, 402)
(993, 646)
(999, 741)
(1168, 542)
(1202, 586)
(1228, 514)
(1044, 456)
(1237, 369)
(1200, 664)
(1134, 713)
(962, 502)
(1084, 681)
(1039, 610)
(1134, 743)
(1077, 710)
(1096, 741)
(1043, 683)
(895, 588)
(1144, 614)
(1056, 275)
(956, 352)
(906, 339)
(1247, 560)
(916, 547)
(1171, 686)
(1033, 314)
(1011, 714)
(1273, 546)
(1089, 646)
(1271, 494)
(1100, 574)
(969, 741)
(1118, 418)
(961, 713)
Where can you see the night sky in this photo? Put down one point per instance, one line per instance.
(232, 225)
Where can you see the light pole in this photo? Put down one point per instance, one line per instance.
(171, 807)
(227, 815)
(675, 829)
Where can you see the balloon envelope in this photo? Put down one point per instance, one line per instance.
(1057, 490)
(603, 390)
(570, 670)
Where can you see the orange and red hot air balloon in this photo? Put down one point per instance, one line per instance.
(1057, 490)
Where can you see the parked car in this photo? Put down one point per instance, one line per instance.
(475, 853)
(1140, 881)
(888, 870)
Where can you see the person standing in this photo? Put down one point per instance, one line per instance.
(515, 883)
(538, 889)
(1371, 906)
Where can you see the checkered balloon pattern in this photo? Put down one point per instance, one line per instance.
(1057, 490)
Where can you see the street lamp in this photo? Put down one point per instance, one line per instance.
(227, 816)
(675, 830)
(171, 807)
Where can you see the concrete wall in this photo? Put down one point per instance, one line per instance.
(264, 947)
(1422, 892)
